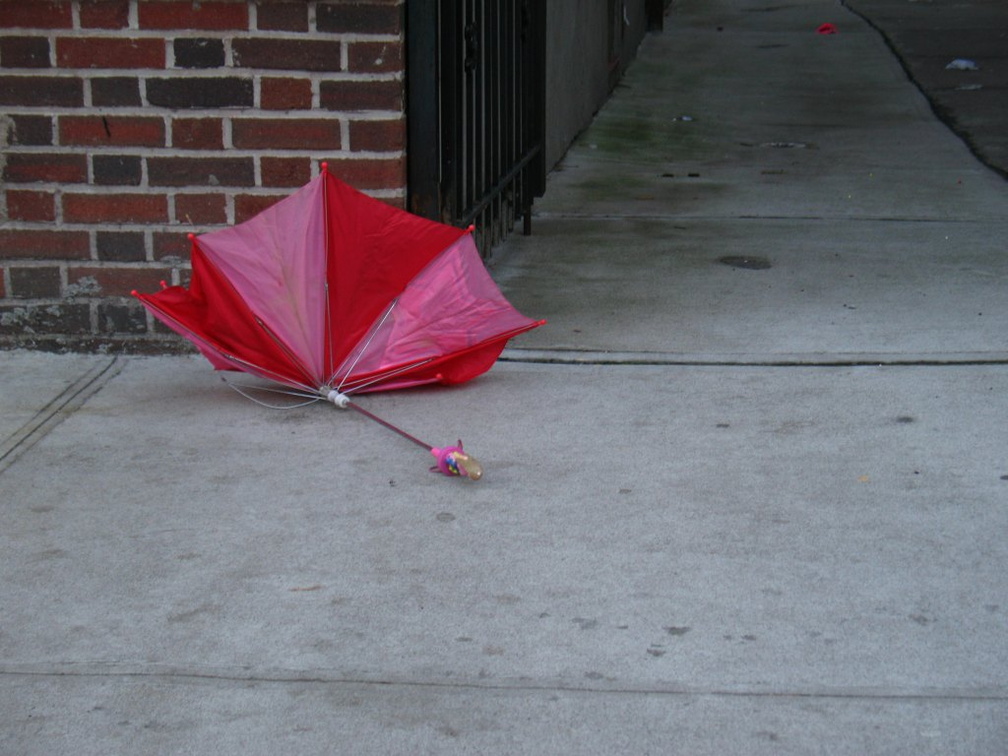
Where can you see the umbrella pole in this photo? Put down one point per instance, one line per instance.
(385, 423)
(451, 460)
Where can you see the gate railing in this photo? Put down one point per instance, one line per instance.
(476, 87)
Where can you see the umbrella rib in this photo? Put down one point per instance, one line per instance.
(363, 347)
(327, 346)
(327, 333)
(286, 350)
(383, 376)
(245, 391)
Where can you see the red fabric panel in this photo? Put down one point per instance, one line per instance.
(374, 251)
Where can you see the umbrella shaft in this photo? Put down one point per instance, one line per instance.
(389, 425)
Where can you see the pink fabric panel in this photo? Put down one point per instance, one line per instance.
(453, 304)
(276, 261)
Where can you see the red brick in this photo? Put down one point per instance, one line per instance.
(44, 245)
(116, 170)
(121, 246)
(370, 174)
(38, 91)
(247, 205)
(377, 136)
(285, 94)
(287, 54)
(24, 52)
(30, 206)
(361, 95)
(197, 134)
(22, 167)
(31, 130)
(109, 52)
(117, 282)
(179, 171)
(198, 52)
(200, 92)
(375, 57)
(36, 14)
(115, 318)
(171, 245)
(61, 318)
(286, 134)
(200, 209)
(104, 14)
(105, 130)
(115, 91)
(185, 14)
(362, 18)
(285, 171)
(274, 16)
(115, 208)
(35, 283)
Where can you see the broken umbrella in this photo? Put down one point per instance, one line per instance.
(333, 293)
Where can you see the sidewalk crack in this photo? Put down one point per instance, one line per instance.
(71, 399)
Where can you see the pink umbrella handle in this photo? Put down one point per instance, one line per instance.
(452, 460)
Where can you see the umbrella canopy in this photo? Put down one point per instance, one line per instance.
(332, 290)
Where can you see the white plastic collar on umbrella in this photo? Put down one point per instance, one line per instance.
(340, 400)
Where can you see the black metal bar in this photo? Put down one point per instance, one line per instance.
(451, 72)
(494, 191)
(423, 152)
(655, 12)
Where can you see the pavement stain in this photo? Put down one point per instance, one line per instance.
(194, 613)
(47, 554)
(746, 262)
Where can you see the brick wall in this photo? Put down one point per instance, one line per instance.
(126, 124)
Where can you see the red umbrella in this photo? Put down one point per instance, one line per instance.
(333, 293)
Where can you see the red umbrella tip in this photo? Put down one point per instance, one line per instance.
(164, 284)
(472, 227)
(325, 166)
(135, 293)
(191, 236)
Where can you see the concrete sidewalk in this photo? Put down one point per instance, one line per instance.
(957, 54)
(746, 493)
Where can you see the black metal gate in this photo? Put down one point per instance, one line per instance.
(476, 83)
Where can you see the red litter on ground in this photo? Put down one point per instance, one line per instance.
(827, 29)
